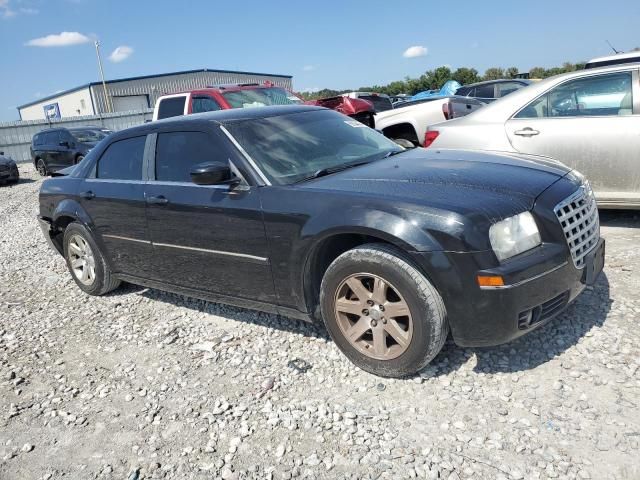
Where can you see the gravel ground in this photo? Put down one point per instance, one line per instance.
(145, 384)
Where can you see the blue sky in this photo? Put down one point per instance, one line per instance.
(334, 44)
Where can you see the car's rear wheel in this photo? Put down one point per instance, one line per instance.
(86, 263)
(41, 166)
(382, 312)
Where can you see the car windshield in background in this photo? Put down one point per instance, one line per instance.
(260, 97)
(291, 148)
(380, 104)
(89, 135)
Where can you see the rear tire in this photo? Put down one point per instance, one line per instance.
(395, 324)
(86, 263)
(41, 166)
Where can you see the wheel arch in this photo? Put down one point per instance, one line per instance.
(402, 130)
(66, 212)
(332, 243)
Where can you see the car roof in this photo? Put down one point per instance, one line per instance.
(498, 80)
(222, 116)
(232, 87)
(617, 56)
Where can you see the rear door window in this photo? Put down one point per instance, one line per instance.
(204, 104)
(171, 107)
(485, 91)
(178, 152)
(508, 87)
(122, 160)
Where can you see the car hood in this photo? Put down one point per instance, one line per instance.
(493, 185)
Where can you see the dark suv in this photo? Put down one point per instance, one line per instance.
(58, 148)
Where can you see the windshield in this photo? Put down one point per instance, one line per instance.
(89, 135)
(291, 148)
(260, 97)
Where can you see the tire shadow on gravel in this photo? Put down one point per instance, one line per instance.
(537, 347)
(245, 315)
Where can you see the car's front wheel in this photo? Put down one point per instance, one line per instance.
(382, 312)
(86, 263)
(41, 166)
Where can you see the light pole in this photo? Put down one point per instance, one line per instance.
(107, 99)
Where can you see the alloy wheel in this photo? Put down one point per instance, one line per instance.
(81, 259)
(373, 316)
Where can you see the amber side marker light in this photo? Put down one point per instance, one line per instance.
(490, 281)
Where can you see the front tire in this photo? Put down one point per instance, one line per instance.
(382, 312)
(86, 263)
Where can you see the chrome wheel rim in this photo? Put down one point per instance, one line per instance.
(373, 316)
(42, 169)
(82, 261)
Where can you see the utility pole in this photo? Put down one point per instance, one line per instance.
(107, 99)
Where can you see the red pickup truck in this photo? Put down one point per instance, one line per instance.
(243, 95)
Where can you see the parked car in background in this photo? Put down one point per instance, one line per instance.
(491, 89)
(617, 59)
(400, 98)
(356, 108)
(223, 97)
(380, 101)
(307, 213)
(8, 170)
(57, 148)
(409, 120)
(588, 120)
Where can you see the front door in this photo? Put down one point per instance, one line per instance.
(207, 238)
(114, 199)
(590, 125)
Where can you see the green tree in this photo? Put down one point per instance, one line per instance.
(511, 72)
(435, 79)
(465, 75)
(537, 72)
(494, 73)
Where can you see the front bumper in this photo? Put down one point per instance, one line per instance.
(538, 287)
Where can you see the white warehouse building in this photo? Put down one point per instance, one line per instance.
(136, 93)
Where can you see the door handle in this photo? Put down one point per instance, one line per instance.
(526, 132)
(87, 195)
(159, 200)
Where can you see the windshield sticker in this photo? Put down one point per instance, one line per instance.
(355, 124)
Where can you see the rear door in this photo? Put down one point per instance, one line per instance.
(114, 199)
(205, 237)
(54, 151)
(591, 124)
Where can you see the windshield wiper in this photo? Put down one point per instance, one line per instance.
(393, 152)
(323, 172)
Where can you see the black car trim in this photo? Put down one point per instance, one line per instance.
(215, 252)
(246, 155)
(527, 280)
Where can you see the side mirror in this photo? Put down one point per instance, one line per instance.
(403, 142)
(211, 173)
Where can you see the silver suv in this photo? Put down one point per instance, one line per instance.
(589, 120)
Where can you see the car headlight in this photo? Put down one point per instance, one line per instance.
(514, 235)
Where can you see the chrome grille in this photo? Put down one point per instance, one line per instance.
(578, 216)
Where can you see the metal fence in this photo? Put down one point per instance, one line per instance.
(15, 137)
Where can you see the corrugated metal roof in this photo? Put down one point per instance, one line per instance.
(144, 77)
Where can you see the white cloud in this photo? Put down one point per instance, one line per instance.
(7, 11)
(308, 68)
(415, 51)
(63, 39)
(120, 54)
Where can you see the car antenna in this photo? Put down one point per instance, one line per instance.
(612, 47)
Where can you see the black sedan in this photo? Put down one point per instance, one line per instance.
(304, 212)
(8, 170)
